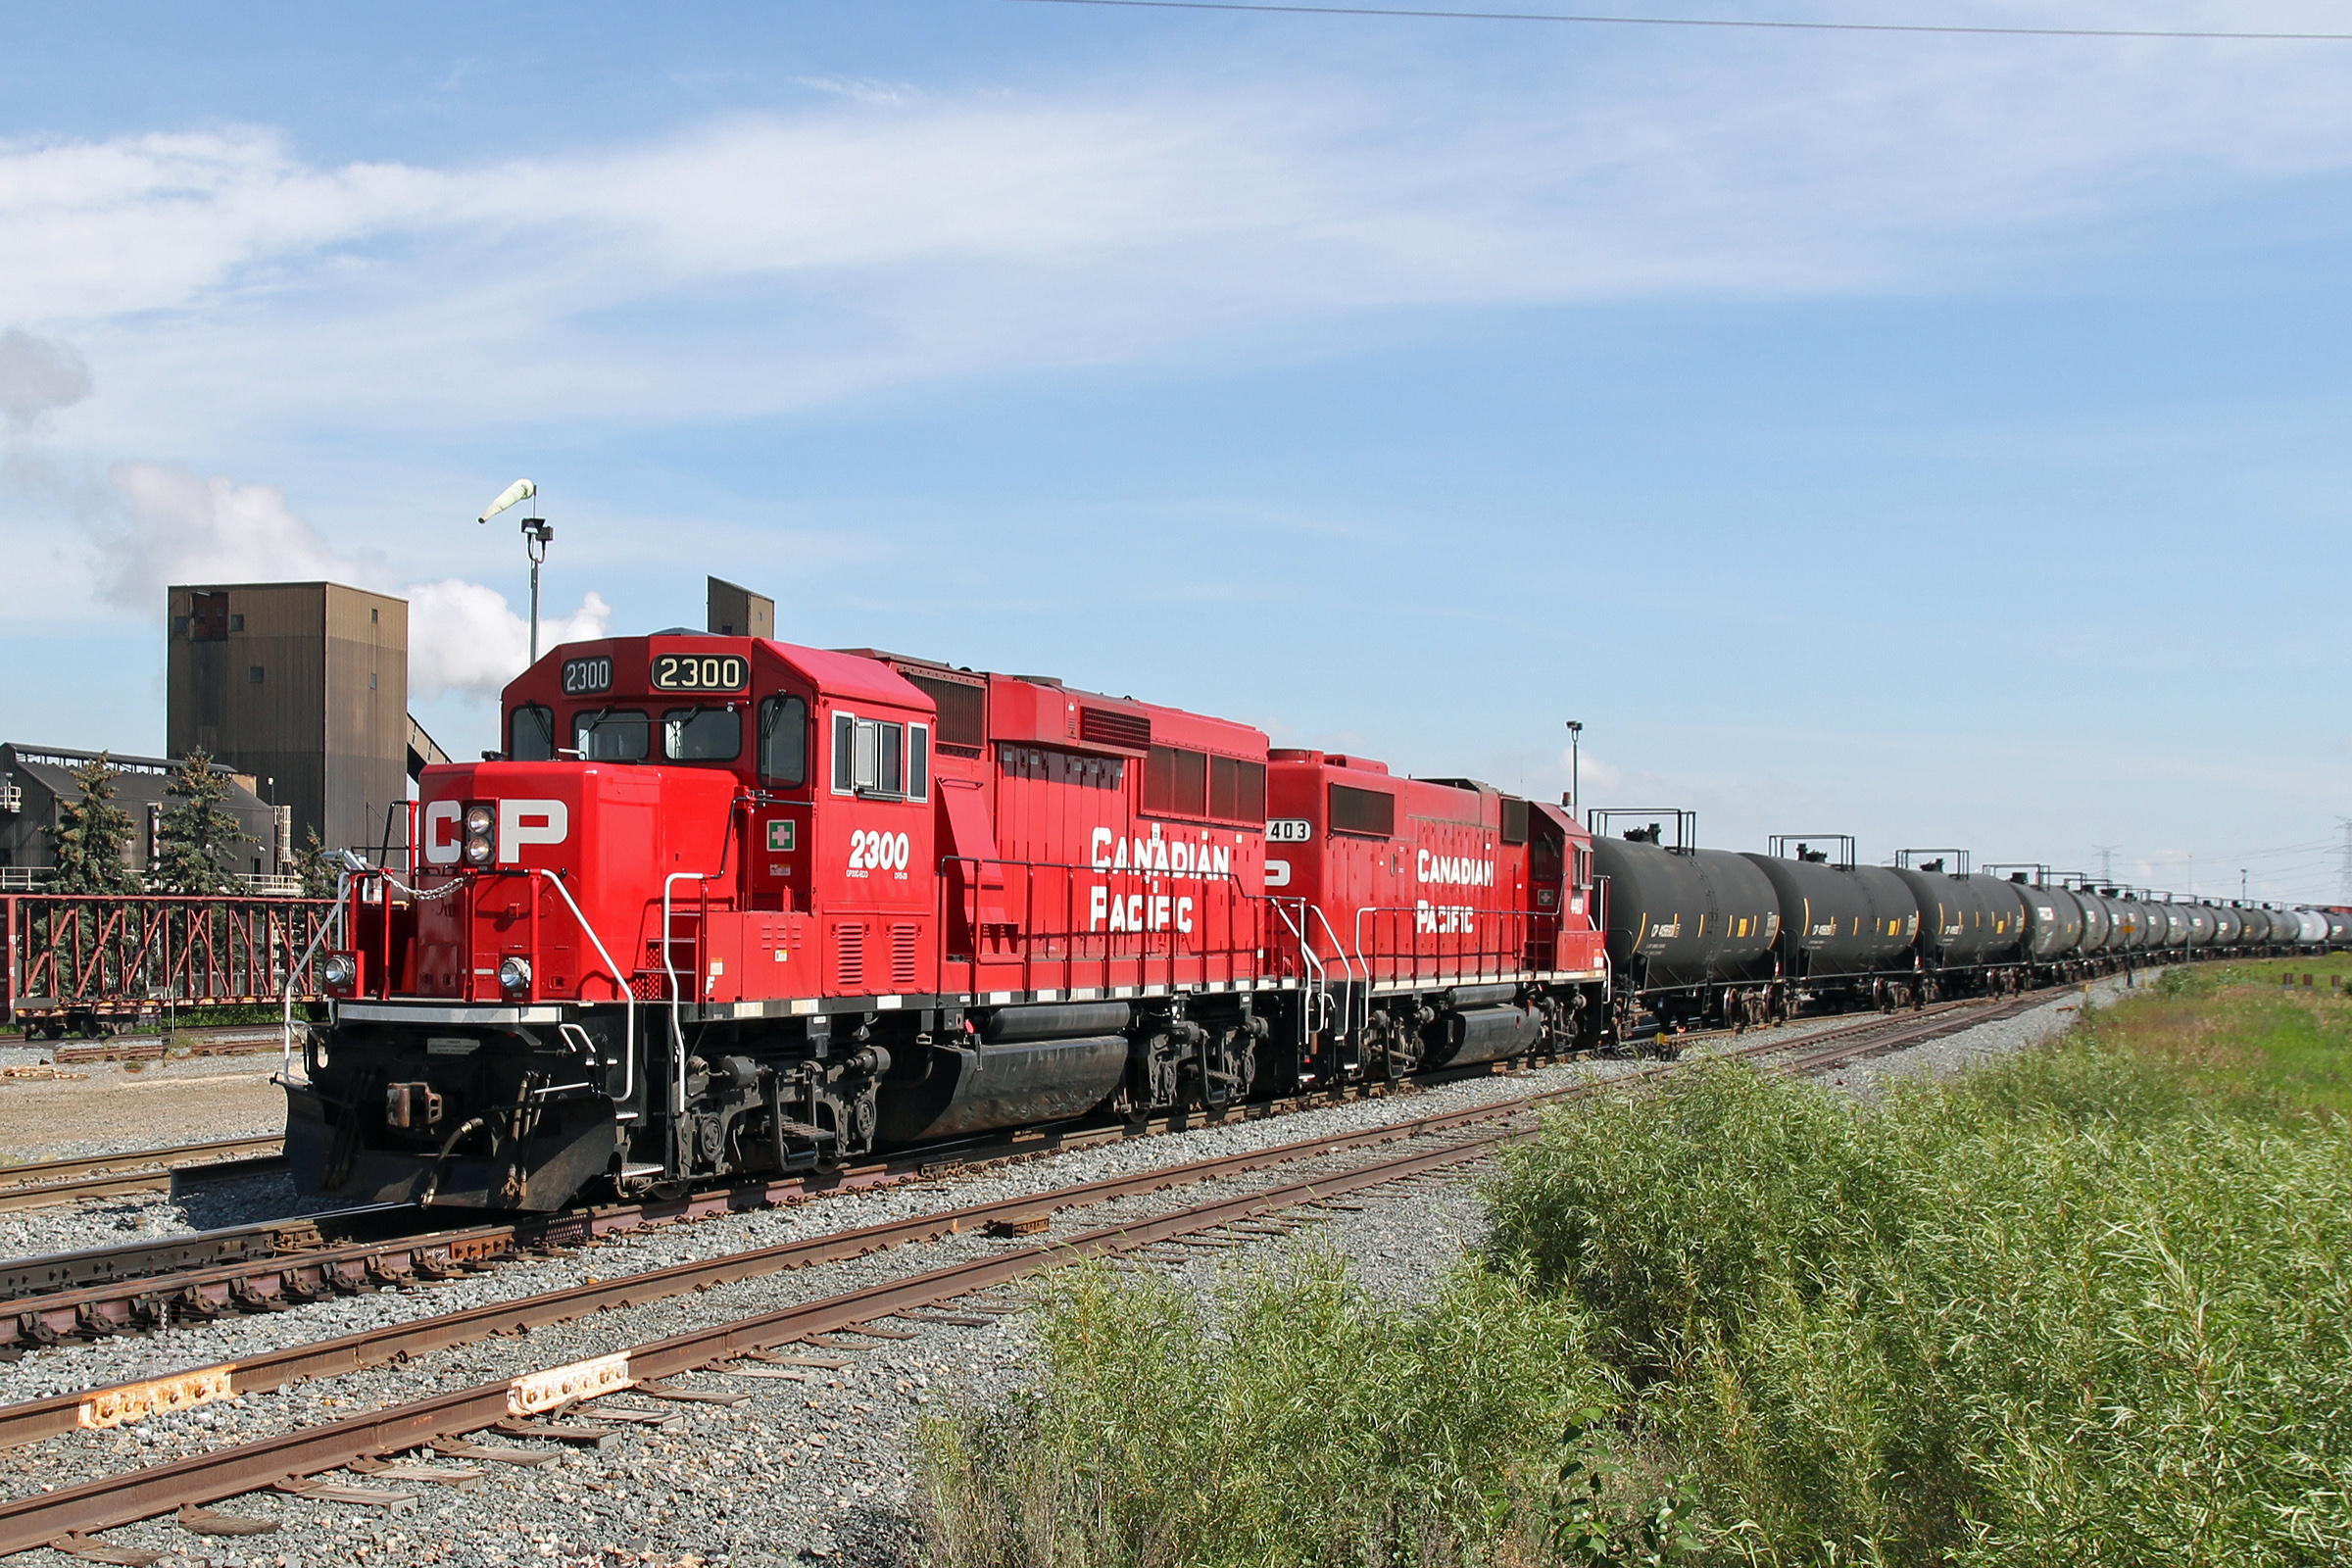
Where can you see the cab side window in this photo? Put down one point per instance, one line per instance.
(881, 758)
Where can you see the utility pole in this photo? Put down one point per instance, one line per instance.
(2107, 861)
(2344, 888)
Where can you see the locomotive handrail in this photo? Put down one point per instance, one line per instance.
(334, 922)
(1153, 946)
(1519, 921)
(628, 1001)
(670, 967)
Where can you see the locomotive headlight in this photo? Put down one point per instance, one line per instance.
(482, 835)
(515, 977)
(341, 971)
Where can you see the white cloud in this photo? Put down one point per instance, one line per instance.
(893, 235)
(465, 638)
(174, 527)
(179, 526)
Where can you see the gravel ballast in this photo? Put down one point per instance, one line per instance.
(801, 1470)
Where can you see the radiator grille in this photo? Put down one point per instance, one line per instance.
(848, 958)
(1109, 727)
(903, 943)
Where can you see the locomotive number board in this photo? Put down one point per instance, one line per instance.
(700, 672)
(582, 676)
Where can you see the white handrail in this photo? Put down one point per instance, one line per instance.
(628, 998)
(678, 1027)
(285, 1050)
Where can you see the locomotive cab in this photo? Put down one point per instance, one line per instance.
(683, 926)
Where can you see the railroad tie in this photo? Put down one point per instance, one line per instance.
(89, 1549)
(669, 1423)
(316, 1491)
(579, 1434)
(658, 1390)
(213, 1522)
(409, 1470)
(780, 1373)
(460, 1448)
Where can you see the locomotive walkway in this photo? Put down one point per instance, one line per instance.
(1443, 1141)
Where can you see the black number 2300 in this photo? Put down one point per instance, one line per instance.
(699, 673)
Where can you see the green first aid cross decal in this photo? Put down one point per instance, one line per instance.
(780, 836)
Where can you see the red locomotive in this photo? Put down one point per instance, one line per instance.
(728, 905)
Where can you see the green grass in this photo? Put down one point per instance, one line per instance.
(2085, 1306)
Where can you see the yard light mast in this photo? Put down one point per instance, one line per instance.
(1576, 794)
(535, 536)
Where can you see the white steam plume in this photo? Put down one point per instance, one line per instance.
(38, 376)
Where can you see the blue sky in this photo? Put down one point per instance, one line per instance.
(1940, 440)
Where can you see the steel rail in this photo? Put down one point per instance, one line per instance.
(340, 1243)
(62, 1181)
(268, 1266)
(225, 1472)
(118, 1404)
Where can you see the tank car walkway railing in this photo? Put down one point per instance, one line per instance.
(102, 955)
(1061, 931)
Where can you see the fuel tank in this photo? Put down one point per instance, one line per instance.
(1473, 1035)
(1839, 921)
(975, 1088)
(1965, 920)
(1679, 919)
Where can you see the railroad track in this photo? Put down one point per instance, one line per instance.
(140, 1170)
(147, 1285)
(510, 1406)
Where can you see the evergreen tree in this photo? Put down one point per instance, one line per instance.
(90, 835)
(318, 875)
(199, 833)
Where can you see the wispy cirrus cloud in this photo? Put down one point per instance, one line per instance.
(768, 262)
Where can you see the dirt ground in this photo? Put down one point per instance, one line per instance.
(113, 1108)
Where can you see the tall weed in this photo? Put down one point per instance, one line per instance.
(2060, 1312)
(1301, 1421)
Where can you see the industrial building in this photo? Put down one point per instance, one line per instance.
(303, 687)
(35, 779)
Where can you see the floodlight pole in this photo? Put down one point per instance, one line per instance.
(535, 535)
(1576, 794)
